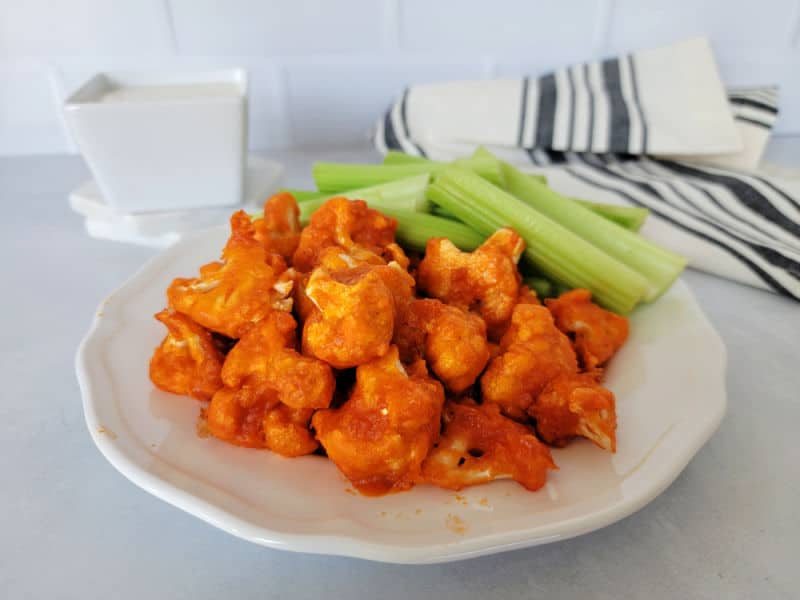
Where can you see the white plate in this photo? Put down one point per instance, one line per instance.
(161, 228)
(668, 379)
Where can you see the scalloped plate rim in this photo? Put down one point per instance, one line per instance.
(350, 545)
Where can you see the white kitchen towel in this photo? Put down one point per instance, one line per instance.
(667, 100)
(706, 200)
(754, 111)
(745, 227)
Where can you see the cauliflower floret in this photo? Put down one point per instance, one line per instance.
(486, 280)
(479, 445)
(303, 306)
(380, 436)
(237, 415)
(598, 333)
(187, 361)
(576, 405)
(286, 431)
(451, 340)
(533, 352)
(258, 420)
(348, 224)
(394, 253)
(527, 296)
(279, 229)
(265, 359)
(270, 391)
(355, 312)
(231, 295)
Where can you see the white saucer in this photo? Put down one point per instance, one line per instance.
(163, 228)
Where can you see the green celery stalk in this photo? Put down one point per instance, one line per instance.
(406, 194)
(485, 163)
(660, 267)
(301, 195)
(393, 157)
(543, 287)
(443, 212)
(629, 217)
(337, 177)
(483, 154)
(557, 252)
(415, 229)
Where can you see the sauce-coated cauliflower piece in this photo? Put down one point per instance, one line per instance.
(279, 228)
(286, 431)
(479, 445)
(266, 359)
(452, 341)
(527, 296)
(355, 311)
(598, 333)
(187, 361)
(258, 420)
(485, 280)
(380, 436)
(533, 352)
(231, 295)
(270, 391)
(576, 405)
(348, 224)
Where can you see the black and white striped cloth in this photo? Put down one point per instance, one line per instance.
(654, 129)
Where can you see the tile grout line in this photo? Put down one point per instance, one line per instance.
(391, 25)
(282, 98)
(60, 93)
(488, 66)
(602, 27)
(169, 16)
(794, 32)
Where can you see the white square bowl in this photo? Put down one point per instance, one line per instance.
(161, 141)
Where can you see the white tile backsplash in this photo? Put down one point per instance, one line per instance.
(730, 25)
(269, 27)
(499, 25)
(29, 120)
(321, 72)
(336, 102)
(48, 28)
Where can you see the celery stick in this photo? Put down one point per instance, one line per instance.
(543, 287)
(660, 267)
(407, 194)
(482, 153)
(443, 212)
(629, 217)
(415, 229)
(301, 195)
(557, 252)
(337, 177)
(393, 157)
(540, 178)
(481, 160)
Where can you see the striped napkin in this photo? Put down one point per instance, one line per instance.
(655, 128)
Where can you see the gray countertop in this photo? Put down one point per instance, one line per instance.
(72, 527)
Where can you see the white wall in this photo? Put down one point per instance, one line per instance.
(322, 70)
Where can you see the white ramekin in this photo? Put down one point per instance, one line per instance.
(164, 153)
